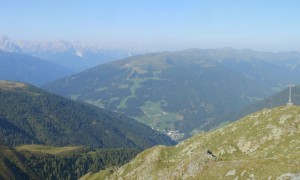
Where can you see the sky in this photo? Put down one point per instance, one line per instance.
(269, 25)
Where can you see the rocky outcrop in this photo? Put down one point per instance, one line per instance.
(264, 145)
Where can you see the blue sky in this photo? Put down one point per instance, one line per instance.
(160, 24)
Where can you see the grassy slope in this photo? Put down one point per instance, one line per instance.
(34, 148)
(12, 165)
(262, 145)
(12, 160)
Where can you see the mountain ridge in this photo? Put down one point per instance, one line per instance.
(7, 45)
(279, 99)
(29, 69)
(261, 145)
(76, 55)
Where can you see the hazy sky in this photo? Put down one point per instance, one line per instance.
(168, 24)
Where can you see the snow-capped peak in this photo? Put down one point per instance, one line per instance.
(79, 54)
(7, 45)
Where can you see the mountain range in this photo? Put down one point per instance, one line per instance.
(76, 56)
(184, 93)
(29, 115)
(7, 45)
(181, 92)
(262, 145)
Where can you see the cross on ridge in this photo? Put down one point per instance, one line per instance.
(290, 95)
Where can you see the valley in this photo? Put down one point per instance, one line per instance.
(136, 109)
(122, 120)
(184, 92)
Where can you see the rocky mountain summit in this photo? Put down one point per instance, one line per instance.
(263, 145)
(7, 45)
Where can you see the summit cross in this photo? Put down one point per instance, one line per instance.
(290, 95)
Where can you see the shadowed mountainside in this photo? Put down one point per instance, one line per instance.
(29, 69)
(29, 115)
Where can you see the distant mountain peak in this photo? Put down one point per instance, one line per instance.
(4, 37)
(228, 49)
(46, 46)
(60, 45)
(8, 45)
(79, 53)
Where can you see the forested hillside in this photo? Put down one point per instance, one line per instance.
(29, 115)
(44, 162)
